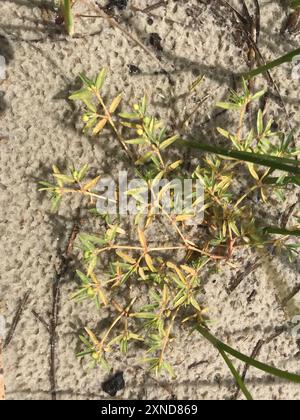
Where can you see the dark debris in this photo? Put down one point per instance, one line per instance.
(114, 384)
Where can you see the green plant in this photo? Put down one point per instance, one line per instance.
(65, 10)
(120, 261)
(295, 4)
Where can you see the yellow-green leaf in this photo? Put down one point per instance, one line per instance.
(223, 133)
(115, 103)
(168, 142)
(101, 78)
(126, 257)
(91, 184)
(253, 171)
(149, 262)
(99, 127)
(144, 158)
(195, 304)
(142, 238)
(175, 164)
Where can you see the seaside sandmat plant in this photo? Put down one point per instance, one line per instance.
(148, 267)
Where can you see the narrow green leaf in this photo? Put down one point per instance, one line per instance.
(269, 66)
(82, 173)
(143, 315)
(65, 178)
(295, 4)
(258, 95)
(227, 105)
(223, 133)
(91, 238)
(281, 231)
(136, 141)
(90, 105)
(260, 123)
(129, 116)
(236, 376)
(101, 79)
(165, 144)
(80, 95)
(274, 162)
(249, 360)
(55, 203)
(86, 80)
(85, 279)
(283, 180)
(144, 158)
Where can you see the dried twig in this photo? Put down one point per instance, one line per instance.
(64, 265)
(287, 215)
(236, 281)
(255, 353)
(291, 295)
(41, 320)
(17, 317)
(155, 6)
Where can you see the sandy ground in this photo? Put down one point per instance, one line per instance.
(39, 127)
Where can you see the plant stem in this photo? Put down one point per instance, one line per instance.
(242, 116)
(68, 16)
(119, 137)
(167, 336)
(116, 321)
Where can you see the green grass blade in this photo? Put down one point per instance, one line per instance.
(236, 376)
(280, 231)
(273, 162)
(283, 181)
(249, 360)
(68, 16)
(272, 64)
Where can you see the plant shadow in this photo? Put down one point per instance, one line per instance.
(6, 51)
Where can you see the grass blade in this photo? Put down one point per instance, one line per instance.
(280, 231)
(272, 64)
(68, 16)
(283, 181)
(249, 360)
(236, 376)
(273, 162)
